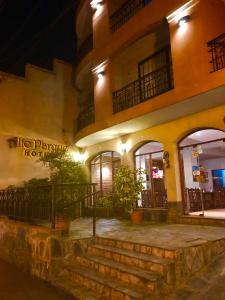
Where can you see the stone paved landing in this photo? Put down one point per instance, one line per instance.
(162, 235)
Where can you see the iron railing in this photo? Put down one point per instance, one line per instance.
(155, 83)
(86, 118)
(125, 12)
(126, 97)
(153, 200)
(217, 50)
(44, 203)
(148, 85)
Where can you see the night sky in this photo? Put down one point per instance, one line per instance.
(36, 31)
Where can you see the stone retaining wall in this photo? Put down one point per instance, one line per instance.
(36, 249)
(29, 247)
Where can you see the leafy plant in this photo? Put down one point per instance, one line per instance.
(109, 200)
(36, 182)
(128, 184)
(63, 169)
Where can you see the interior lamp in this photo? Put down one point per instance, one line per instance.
(183, 20)
(96, 4)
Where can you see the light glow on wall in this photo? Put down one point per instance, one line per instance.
(77, 156)
(181, 16)
(182, 12)
(123, 147)
(99, 71)
(96, 4)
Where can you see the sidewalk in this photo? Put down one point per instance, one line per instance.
(15, 285)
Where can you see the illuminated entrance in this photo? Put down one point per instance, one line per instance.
(150, 158)
(202, 155)
(103, 168)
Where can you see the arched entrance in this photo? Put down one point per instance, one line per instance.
(150, 158)
(102, 168)
(202, 157)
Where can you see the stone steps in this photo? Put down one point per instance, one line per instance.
(107, 287)
(131, 275)
(76, 290)
(137, 247)
(119, 270)
(159, 265)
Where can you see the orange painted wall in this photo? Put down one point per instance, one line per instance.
(189, 54)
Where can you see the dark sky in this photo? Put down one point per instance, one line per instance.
(35, 31)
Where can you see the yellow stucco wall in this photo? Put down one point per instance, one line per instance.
(38, 107)
(169, 134)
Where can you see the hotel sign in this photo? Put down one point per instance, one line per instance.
(33, 147)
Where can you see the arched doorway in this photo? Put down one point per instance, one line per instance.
(202, 157)
(102, 168)
(150, 158)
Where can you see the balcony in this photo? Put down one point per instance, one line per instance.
(217, 50)
(155, 78)
(125, 12)
(85, 48)
(86, 117)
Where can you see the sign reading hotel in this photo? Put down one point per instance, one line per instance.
(33, 147)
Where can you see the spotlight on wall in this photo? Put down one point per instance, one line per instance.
(182, 15)
(100, 69)
(123, 147)
(100, 74)
(183, 20)
(96, 4)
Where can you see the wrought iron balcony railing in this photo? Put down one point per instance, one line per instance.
(149, 84)
(125, 12)
(217, 50)
(86, 118)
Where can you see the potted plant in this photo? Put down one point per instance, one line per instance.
(128, 184)
(112, 207)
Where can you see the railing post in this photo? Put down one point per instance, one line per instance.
(53, 207)
(94, 213)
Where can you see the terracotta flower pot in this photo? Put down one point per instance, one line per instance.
(62, 223)
(136, 216)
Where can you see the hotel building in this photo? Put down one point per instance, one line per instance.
(147, 90)
(150, 85)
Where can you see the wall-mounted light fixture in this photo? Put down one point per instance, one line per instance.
(123, 147)
(77, 156)
(166, 159)
(182, 15)
(100, 74)
(100, 69)
(96, 4)
(183, 20)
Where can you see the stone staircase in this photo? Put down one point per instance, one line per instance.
(113, 269)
